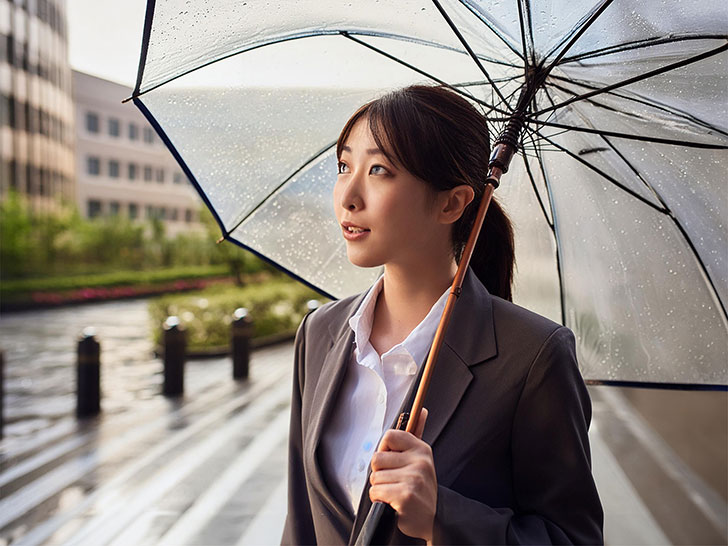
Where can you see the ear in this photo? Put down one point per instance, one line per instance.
(452, 203)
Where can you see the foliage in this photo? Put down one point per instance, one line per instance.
(276, 307)
(62, 243)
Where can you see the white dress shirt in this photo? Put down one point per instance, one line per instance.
(371, 393)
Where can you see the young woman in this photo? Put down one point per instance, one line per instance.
(502, 456)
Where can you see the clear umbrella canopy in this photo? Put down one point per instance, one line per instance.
(618, 194)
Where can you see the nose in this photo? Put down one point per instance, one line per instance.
(351, 194)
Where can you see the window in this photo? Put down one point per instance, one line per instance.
(133, 211)
(113, 168)
(178, 178)
(114, 208)
(94, 208)
(147, 173)
(133, 131)
(132, 171)
(188, 215)
(148, 135)
(92, 122)
(162, 212)
(93, 166)
(150, 212)
(114, 129)
(160, 175)
(173, 215)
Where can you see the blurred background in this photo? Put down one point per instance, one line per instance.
(103, 238)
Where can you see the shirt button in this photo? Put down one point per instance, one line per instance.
(360, 467)
(380, 399)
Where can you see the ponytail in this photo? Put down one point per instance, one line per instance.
(494, 254)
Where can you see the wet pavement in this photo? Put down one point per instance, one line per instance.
(209, 468)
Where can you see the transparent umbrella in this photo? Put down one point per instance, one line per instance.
(618, 111)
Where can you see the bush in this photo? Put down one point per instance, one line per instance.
(62, 243)
(276, 307)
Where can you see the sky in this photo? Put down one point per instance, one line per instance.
(105, 37)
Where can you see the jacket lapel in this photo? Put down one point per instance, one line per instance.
(326, 393)
(469, 340)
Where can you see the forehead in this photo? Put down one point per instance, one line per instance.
(360, 136)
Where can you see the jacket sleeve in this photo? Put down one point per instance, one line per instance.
(555, 495)
(298, 528)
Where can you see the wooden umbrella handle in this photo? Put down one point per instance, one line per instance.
(455, 290)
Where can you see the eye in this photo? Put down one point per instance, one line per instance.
(378, 169)
(340, 167)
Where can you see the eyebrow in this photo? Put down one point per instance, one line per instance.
(370, 151)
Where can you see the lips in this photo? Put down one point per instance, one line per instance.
(352, 232)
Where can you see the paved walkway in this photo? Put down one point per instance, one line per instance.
(209, 469)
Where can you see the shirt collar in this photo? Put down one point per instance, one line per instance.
(416, 345)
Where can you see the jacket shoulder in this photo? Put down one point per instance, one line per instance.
(522, 322)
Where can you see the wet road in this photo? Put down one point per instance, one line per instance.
(40, 356)
(210, 468)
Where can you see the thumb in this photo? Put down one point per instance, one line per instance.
(421, 423)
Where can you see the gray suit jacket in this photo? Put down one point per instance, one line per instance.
(508, 423)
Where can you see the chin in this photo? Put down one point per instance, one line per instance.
(361, 259)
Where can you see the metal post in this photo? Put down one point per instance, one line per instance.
(175, 344)
(88, 374)
(241, 332)
(2, 393)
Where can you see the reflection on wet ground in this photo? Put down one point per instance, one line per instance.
(209, 468)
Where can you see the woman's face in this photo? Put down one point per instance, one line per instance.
(386, 215)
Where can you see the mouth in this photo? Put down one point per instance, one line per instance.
(352, 231)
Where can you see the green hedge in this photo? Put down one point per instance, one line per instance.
(276, 307)
(104, 280)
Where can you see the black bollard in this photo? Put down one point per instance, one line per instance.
(88, 375)
(240, 333)
(175, 344)
(2, 393)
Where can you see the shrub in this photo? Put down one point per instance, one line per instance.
(276, 307)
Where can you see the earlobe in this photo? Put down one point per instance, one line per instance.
(456, 200)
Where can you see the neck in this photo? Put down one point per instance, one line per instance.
(407, 295)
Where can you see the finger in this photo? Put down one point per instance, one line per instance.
(388, 493)
(421, 423)
(397, 440)
(394, 475)
(384, 460)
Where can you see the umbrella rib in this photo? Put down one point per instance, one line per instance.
(554, 227)
(495, 31)
(669, 212)
(603, 174)
(641, 138)
(467, 47)
(424, 73)
(535, 190)
(526, 34)
(639, 44)
(311, 34)
(646, 75)
(279, 186)
(579, 29)
(656, 105)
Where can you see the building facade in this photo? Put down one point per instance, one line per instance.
(122, 167)
(36, 103)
